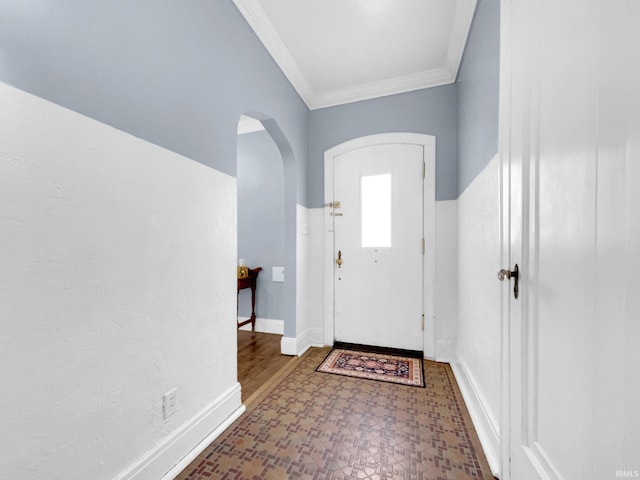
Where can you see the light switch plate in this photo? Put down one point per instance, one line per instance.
(277, 274)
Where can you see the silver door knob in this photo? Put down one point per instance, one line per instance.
(502, 274)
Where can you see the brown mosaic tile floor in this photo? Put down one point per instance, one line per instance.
(313, 425)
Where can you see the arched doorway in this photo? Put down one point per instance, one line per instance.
(278, 221)
(260, 176)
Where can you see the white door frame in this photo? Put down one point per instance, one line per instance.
(504, 147)
(428, 142)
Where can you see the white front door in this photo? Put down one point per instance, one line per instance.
(571, 185)
(378, 245)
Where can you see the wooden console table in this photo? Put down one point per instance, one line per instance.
(250, 282)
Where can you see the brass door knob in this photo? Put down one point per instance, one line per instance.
(339, 260)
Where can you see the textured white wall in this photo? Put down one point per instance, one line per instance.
(309, 283)
(314, 275)
(302, 277)
(446, 297)
(117, 285)
(479, 308)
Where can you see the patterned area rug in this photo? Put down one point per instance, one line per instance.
(374, 366)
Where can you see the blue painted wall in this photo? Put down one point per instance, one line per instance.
(261, 220)
(177, 74)
(430, 111)
(478, 85)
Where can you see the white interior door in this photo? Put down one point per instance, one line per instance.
(378, 235)
(548, 226)
(571, 185)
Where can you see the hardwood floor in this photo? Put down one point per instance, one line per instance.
(259, 358)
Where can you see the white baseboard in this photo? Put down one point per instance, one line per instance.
(445, 351)
(186, 461)
(312, 337)
(485, 424)
(288, 346)
(167, 459)
(266, 325)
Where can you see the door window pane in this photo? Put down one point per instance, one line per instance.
(376, 210)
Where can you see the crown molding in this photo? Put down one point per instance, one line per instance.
(382, 88)
(258, 20)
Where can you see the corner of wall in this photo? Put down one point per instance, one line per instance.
(445, 350)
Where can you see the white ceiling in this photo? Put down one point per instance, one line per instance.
(341, 51)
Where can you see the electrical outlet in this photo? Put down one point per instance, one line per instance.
(170, 402)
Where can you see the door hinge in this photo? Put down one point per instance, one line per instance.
(335, 204)
(423, 246)
(423, 321)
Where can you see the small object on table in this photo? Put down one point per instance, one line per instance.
(250, 282)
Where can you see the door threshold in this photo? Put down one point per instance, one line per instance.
(379, 349)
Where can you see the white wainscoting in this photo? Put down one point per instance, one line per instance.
(310, 284)
(477, 360)
(446, 284)
(115, 253)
